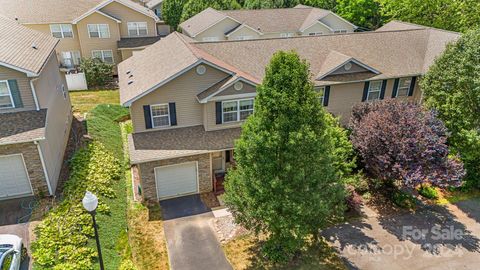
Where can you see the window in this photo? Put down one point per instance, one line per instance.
(374, 90)
(137, 28)
(286, 35)
(321, 94)
(98, 31)
(315, 34)
(210, 39)
(61, 30)
(236, 110)
(340, 31)
(64, 91)
(6, 100)
(403, 87)
(158, 12)
(160, 115)
(104, 55)
(243, 37)
(70, 59)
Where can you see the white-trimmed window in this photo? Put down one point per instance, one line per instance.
(137, 29)
(104, 55)
(98, 30)
(210, 39)
(61, 30)
(236, 110)
(70, 59)
(403, 87)
(315, 33)
(286, 35)
(374, 90)
(243, 37)
(160, 115)
(6, 100)
(340, 31)
(321, 94)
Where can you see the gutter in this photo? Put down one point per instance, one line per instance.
(44, 167)
(34, 93)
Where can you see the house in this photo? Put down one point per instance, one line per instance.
(106, 29)
(188, 99)
(35, 112)
(215, 25)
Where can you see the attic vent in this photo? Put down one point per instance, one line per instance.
(130, 82)
(347, 66)
(16, 18)
(130, 76)
(238, 86)
(201, 69)
(34, 46)
(128, 72)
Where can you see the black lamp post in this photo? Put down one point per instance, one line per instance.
(90, 203)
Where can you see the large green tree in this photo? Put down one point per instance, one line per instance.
(172, 12)
(455, 15)
(286, 184)
(193, 7)
(363, 13)
(452, 87)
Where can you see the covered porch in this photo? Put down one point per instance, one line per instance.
(221, 162)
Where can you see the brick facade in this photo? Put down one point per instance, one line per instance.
(147, 174)
(33, 163)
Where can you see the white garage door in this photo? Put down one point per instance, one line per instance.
(14, 180)
(176, 180)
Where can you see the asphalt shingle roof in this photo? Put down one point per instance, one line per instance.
(136, 42)
(18, 127)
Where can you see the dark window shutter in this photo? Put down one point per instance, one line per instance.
(412, 86)
(326, 95)
(395, 88)
(365, 91)
(173, 113)
(218, 112)
(17, 98)
(384, 86)
(148, 116)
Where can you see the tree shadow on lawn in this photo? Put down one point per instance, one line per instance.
(471, 208)
(432, 227)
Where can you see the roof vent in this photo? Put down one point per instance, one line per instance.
(128, 72)
(34, 46)
(130, 82)
(16, 18)
(130, 76)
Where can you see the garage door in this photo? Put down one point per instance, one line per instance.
(176, 180)
(14, 180)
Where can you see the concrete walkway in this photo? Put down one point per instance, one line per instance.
(192, 244)
(434, 237)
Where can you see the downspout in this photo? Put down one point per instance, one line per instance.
(44, 167)
(34, 93)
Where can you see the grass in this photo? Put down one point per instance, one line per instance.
(447, 197)
(243, 253)
(85, 101)
(104, 128)
(146, 236)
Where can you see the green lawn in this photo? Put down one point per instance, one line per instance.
(85, 101)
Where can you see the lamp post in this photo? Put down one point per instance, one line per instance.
(90, 203)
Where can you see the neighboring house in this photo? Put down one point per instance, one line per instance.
(88, 28)
(35, 112)
(216, 25)
(189, 99)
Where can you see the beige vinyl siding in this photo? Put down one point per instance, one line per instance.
(48, 88)
(182, 91)
(23, 86)
(316, 28)
(244, 31)
(65, 44)
(126, 15)
(90, 44)
(218, 30)
(336, 23)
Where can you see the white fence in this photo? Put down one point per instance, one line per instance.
(76, 81)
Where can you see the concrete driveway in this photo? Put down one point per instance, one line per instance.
(435, 237)
(191, 241)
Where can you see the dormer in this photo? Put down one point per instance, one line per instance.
(337, 63)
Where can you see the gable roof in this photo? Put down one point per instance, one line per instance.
(392, 54)
(398, 25)
(334, 60)
(17, 50)
(262, 20)
(59, 11)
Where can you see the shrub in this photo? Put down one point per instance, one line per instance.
(428, 192)
(63, 234)
(353, 199)
(97, 73)
(404, 199)
(401, 141)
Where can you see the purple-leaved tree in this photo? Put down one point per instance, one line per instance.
(402, 142)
